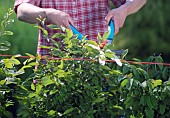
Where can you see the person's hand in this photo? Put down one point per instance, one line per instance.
(59, 18)
(118, 15)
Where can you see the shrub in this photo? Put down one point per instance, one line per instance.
(76, 82)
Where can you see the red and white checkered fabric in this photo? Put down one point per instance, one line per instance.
(88, 16)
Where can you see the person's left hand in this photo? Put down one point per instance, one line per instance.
(118, 15)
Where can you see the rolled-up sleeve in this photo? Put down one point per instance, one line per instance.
(118, 3)
(18, 2)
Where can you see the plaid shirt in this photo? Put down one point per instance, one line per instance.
(88, 16)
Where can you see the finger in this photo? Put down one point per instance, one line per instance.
(67, 25)
(116, 24)
(108, 17)
(71, 21)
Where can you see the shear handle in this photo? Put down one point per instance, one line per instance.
(111, 28)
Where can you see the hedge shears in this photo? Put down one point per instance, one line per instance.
(111, 28)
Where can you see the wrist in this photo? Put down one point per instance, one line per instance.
(47, 13)
(127, 6)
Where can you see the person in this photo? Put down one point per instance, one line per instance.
(90, 17)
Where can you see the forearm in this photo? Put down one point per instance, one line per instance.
(28, 13)
(133, 5)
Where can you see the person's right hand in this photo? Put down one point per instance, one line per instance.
(59, 18)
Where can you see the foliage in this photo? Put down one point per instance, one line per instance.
(5, 79)
(65, 87)
(8, 71)
(25, 36)
(4, 23)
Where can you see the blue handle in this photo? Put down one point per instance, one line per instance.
(75, 31)
(112, 30)
(110, 37)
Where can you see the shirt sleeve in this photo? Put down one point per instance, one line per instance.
(18, 2)
(118, 3)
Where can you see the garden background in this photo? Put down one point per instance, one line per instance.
(145, 33)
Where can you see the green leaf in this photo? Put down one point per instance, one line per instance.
(154, 100)
(68, 111)
(8, 33)
(131, 83)
(47, 81)
(3, 48)
(134, 71)
(38, 88)
(43, 30)
(115, 72)
(32, 86)
(2, 25)
(124, 82)
(23, 87)
(149, 112)
(8, 63)
(105, 67)
(156, 83)
(125, 69)
(6, 43)
(61, 64)
(31, 64)
(99, 38)
(105, 35)
(129, 102)
(162, 108)
(69, 33)
(2, 82)
(165, 73)
(118, 107)
(44, 47)
(60, 73)
(31, 95)
(98, 100)
(52, 26)
(51, 112)
(124, 53)
(137, 60)
(109, 46)
(92, 42)
(143, 100)
(53, 91)
(56, 35)
(149, 103)
(143, 72)
(109, 54)
(15, 56)
(160, 60)
(15, 61)
(30, 55)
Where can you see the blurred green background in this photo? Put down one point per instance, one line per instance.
(25, 35)
(145, 33)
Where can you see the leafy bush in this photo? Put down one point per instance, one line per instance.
(4, 73)
(9, 71)
(77, 83)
